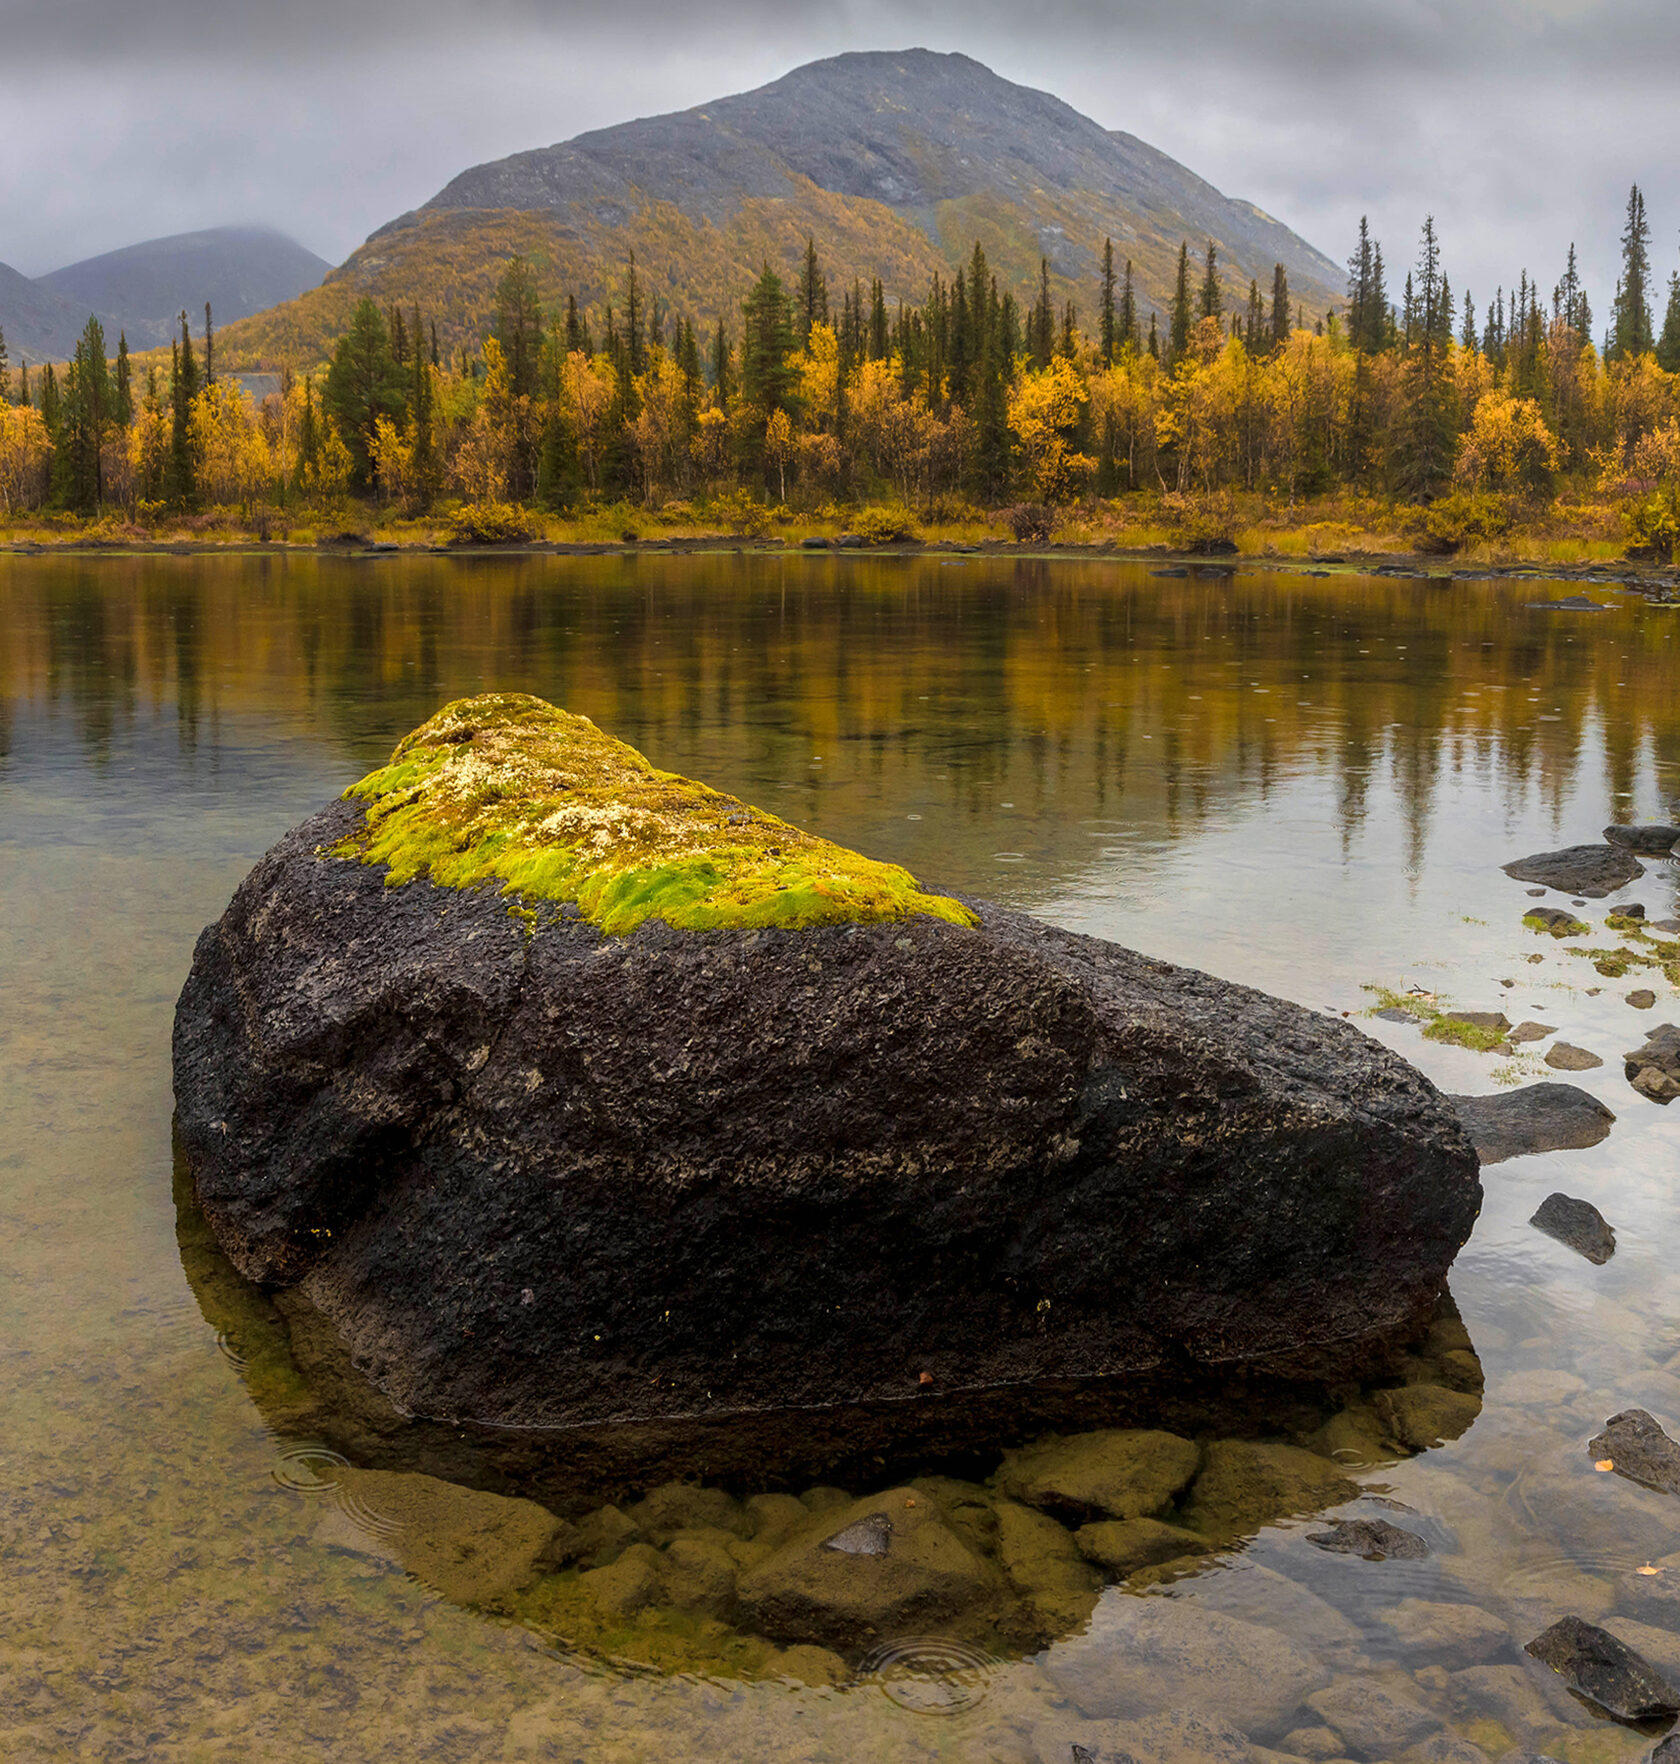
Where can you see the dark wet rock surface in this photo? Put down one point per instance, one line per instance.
(1657, 838)
(1563, 1056)
(1537, 1118)
(1595, 1665)
(1640, 1450)
(1590, 870)
(1654, 1068)
(414, 1109)
(1373, 1539)
(1578, 1224)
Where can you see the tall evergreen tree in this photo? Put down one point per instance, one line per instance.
(122, 386)
(879, 342)
(574, 329)
(181, 477)
(723, 368)
(1630, 329)
(1179, 337)
(1108, 339)
(1254, 331)
(209, 347)
(813, 294)
(1154, 336)
(1128, 311)
(1041, 327)
(518, 327)
(1425, 439)
(1212, 299)
(1668, 344)
(1280, 307)
(5, 371)
(84, 420)
(364, 384)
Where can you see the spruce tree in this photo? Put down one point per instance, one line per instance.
(723, 368)
(1631, 322)
(1180, 335)
(1280, 307)
(122, 390)
(181, 476)
(878, 335)
(1668, 344)
(5, 371)
(1154, 336)
(518, 327)
(209, 347)
(1254, 335)
(84, 418)
(1425, 438)
(1213, 300)
(1041, 330)
(1467, 336)
(1361, 274)
(436, 359)
(1128, 312)
(1108, 322)
(574, 331)
(364, 384)
(813, 294)
(23, 382)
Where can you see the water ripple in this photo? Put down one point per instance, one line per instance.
(931, 1674)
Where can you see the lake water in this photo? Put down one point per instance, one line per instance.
(1306, 784)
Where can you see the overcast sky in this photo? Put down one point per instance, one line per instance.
(1519, 123)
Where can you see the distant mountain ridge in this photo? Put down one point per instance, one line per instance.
(140, 289)
(894, 162)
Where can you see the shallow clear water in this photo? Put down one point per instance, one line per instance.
(1305, 784)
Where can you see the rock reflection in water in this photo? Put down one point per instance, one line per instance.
(811, 1546)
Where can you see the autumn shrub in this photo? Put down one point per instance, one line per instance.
(1029, 523)
(1465, 518)
(1653, 524)
(884, 526)
(1202, 520)
(492, 523)
(738, 511)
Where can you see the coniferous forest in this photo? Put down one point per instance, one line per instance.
(1409, 413)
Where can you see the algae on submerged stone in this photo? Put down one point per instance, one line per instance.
(507, 789)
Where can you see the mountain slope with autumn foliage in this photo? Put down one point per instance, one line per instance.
(895, 163)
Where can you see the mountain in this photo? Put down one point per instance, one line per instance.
(142, 288)
(38, 325)
(894, 163)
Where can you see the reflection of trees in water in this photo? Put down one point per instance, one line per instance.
(1080, 691)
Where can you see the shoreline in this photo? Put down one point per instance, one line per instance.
(1660, 582)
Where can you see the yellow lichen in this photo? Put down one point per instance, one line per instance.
(506, 789)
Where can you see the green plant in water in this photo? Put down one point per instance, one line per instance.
(1564, 928)
(1458, 1033)
(505, 789)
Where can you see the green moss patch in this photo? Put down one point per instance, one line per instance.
(1458, 1033)
(1563, 927)
(505, 789)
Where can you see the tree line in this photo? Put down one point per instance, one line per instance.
(974, 395)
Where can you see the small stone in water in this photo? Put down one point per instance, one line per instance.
(1374, 1539)
(1563, 1057)
(1635, 1446)
(1643, 999)
(1532, 1031)
(1578, 1224)
(868, 1536)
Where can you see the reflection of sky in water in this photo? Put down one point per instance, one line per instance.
(1307, 785)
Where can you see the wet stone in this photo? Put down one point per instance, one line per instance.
(1578, 1224)
(1590, 870)
(1044, 1564)
(1657, 838)
(1555, 920)
(1640, 1450)
(1393, 1014)
(1124, 1545)
(1531, 1031)
(1594, 1664)
(1424, 1415)
(1373, 1539)
(1654, 1069)
(1564, 1057)
(1642, 999)
(1537, 1118)
(1452, 1633)
(1372, 1716)
(869, 1536)
(1116, 1474)
(1245, 1484)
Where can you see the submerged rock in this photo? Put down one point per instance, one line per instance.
(1124, 1545)
(1594, 1664)
(1531, 1031)
(1538, 1118)
(1654, 1069)
(1558, 921)
(1116, 1474)
(1590, 870)
(1637, 1447)
(567, 1091)
(1578, 1224)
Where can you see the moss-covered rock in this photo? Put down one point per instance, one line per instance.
(1245, 1484)
(1423, 1415)
(1124, 1545)
(1045, 1567)
(507, 790)
(886, 1564)
(1113, 1474)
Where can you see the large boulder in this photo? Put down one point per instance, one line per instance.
(1592, 871)
(568, 1091)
